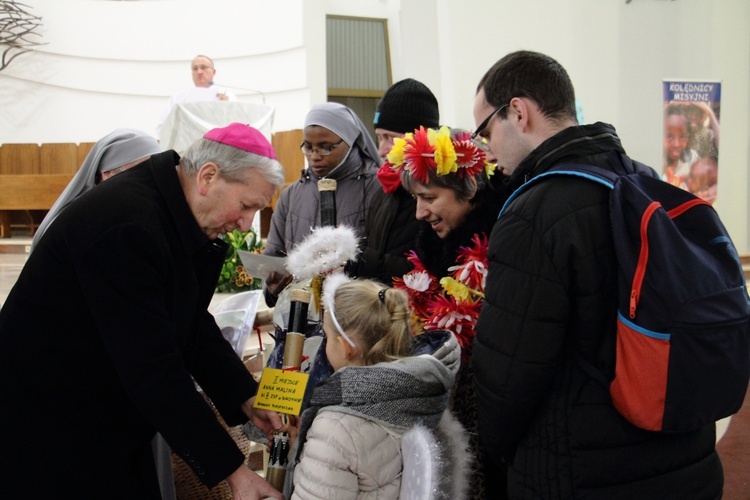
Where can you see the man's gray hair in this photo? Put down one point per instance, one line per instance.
(232, 161)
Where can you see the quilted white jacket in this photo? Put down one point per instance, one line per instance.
(356, 456)
(336, 467)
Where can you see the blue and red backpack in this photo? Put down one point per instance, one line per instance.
(683, 325)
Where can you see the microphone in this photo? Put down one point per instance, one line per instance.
(258, 92)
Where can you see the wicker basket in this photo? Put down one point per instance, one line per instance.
(186, 482)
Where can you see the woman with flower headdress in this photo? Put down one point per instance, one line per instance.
(448, 174)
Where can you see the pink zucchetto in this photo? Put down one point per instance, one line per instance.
(244, 137)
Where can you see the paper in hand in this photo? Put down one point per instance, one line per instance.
(260, 266)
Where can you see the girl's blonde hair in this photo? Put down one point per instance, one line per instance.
(381, 325)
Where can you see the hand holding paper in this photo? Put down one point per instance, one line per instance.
(261, 266)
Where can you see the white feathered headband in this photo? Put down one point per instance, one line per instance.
(324, 250)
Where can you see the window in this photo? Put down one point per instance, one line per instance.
(359, 68)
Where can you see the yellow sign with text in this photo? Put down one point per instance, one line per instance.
(281, 391)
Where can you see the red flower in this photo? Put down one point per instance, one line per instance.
(419, 156)
(472, 264)
(420, 285)
(389, 177)
(458, 318)
(469, 157)
(415, 261)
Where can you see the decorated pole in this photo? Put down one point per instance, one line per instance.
(327, 202)
(327, 205)
(326, 249)
(295, 338)
(292, 361)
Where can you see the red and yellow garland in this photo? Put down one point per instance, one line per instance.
(453, 302)
(429, 149)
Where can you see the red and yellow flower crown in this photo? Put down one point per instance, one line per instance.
(438, 151)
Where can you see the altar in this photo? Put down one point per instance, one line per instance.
(188, 121)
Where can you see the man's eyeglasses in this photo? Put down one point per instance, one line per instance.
(478, 140)
(324, 151)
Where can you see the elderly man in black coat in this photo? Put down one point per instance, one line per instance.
(106, 332)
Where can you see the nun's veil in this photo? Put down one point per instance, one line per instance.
(345, 123)
(121, 147)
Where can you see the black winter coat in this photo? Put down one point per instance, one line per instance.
(99, 339)
(390, 232)
(438, 255)
(551, 290)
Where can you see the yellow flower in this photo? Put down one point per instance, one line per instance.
(455, 288)
(489, 169)
(445, 153)
(396, 155)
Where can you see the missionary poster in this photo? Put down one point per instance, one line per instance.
(691, 136)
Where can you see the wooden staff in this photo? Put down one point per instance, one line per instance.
(327, 202)
(327, 206)
(295, 341)
(263, 318)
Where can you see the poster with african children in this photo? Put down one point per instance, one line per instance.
(691, 136)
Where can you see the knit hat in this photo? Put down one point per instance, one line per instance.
(244, 137)
(406, 106)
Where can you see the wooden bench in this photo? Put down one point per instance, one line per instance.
(31, 192)
(33, 176)
(286, 144)
(745, 261)
(28, 192)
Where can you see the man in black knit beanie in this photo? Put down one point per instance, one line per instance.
(392, 226)
(405, 106)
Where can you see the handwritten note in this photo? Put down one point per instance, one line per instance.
(281, 391)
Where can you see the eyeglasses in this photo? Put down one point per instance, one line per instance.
(479, 141)
(324, 151)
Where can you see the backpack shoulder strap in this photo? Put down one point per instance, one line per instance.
(591, 172)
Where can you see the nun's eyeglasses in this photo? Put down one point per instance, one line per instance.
(323, 151)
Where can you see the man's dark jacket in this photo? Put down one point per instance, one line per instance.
(390, 232)
(99, 339)
(551, 291)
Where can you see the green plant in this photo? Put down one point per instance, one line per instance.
(233, 277)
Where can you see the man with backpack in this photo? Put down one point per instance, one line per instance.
(551, 310)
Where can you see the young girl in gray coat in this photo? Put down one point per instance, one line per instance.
(389, 389)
